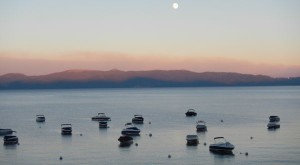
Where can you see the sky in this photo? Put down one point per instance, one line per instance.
(245, 36)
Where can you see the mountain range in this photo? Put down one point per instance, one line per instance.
(129, 79)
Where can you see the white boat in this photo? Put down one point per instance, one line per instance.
(10, 139)
(130, 129)
(201, 125)
(40, 118)
(6, 131)
(138, 119)
(192, 139)
(221, 145)
(273, 125)
(66, 129)
(274, 119)
(103, 124)
(101, 117)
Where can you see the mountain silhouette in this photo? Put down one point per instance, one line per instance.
(129, 79)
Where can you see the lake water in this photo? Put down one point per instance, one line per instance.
(244, 110)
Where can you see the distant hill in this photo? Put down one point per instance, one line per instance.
(130, 79)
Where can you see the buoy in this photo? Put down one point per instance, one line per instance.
(149, 122)
(251, 137)
(40, 127)
(150, 134)
(136, 144)
(60, 158)
(246, 153)
(81, 134)
(222, 121)
(169, 156)
(204, 143)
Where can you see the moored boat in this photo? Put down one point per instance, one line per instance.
(125, 139)
(10, 139)
(273, 125)
(191, 112)
(221, 145)
(138, 119)
(40, 118)
(192, 139)
(101, 117)
(66, 129)
(201, 125)
(130, 129)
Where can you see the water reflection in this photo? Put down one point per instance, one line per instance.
(223, 154)
(11, 147)
(272, 130)
(66, 138)
(223, 157)
(125, 145)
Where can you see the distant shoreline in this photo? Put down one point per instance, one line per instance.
(88, 79)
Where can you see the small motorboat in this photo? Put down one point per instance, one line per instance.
(130, 129)
(138, 119)
(10, 139)
(125, 139)
(192, 139)
(274, 119)
(201, 126)
(221, 145)
(273, 125)
(191, 112)
(6, 131)
(66, 129)
(40, 118)
(103, 124)
(101, 117)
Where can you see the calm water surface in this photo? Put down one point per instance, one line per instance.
(245, 112)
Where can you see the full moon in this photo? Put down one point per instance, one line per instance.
(175, 6)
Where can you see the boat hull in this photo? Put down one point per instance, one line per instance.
(221, 149)
(40, 120)
(192, 142)
(273, 126)
(66, 132)
(201, 128)
(101, 118)
(132, 133)
(189, 114)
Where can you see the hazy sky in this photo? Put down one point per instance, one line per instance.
(247, 36)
